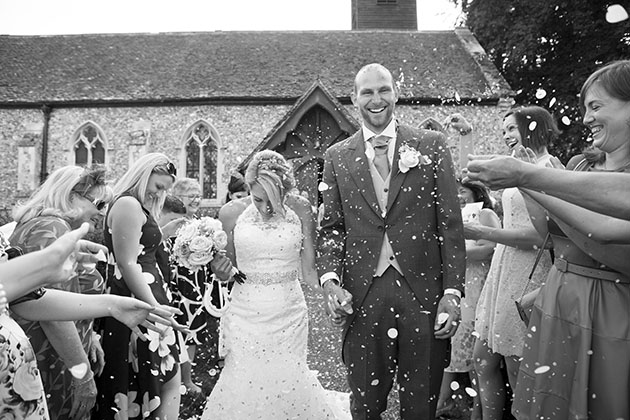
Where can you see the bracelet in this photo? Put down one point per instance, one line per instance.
(328, 276)
(464, 132)
(88, 377)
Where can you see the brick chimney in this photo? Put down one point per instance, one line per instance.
(384, 14)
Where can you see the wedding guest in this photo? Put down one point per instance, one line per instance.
(173, 215)
(575, 363)
(391, 237)
(22, 387)
(500, 330)
(190, 288)
(478, 256)
(237, 187)
(265, 328)
(188, 191)
(70, 196)
(141, 379)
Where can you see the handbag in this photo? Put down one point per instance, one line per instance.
(525, 303)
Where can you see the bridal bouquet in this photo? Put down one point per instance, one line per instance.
(196, 244)
(198, 241)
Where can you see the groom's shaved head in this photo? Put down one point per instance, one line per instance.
(373, 67)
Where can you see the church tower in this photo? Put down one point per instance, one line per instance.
(384, 14)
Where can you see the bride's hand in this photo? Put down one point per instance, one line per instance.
(338, 303)
(221, 266)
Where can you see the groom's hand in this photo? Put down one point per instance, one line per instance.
(338, 303)
(447, 320)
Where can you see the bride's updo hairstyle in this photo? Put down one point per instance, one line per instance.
(274, 174)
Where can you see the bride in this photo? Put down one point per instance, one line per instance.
(264, 331)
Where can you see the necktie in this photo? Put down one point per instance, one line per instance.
(381, 162)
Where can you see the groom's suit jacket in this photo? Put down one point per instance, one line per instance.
(423, 219)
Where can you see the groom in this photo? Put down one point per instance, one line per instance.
(391, 237)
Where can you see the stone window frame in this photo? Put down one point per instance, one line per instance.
(76, 137)
(182, 169)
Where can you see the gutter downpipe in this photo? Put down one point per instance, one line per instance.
(43, 174)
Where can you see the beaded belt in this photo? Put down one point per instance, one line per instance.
(596, 273)
(272, 278)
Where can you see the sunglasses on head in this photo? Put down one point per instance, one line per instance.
(171, 169)
(99, 204)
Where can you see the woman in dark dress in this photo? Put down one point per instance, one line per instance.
(141, 378)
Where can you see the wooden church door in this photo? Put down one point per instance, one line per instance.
(305, 146)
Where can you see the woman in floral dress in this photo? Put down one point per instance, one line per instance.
(70, 196)
(22, 395)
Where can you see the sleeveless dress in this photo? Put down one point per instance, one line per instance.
(33, 235)
(264, 331)
(129, 387)
(497, 320)
(576, 360)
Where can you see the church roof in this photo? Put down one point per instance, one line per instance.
(239, 67)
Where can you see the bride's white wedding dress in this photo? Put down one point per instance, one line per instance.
(264, 331)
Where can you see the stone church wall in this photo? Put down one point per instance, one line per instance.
(161, 129)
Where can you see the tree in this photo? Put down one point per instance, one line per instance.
(546, 49)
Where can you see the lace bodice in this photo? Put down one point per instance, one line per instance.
(268, 251)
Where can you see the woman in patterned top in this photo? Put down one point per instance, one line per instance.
(69, 353)
(23, 395)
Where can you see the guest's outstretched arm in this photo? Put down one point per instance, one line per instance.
(597, 226)
(605, 193)
(52, 264)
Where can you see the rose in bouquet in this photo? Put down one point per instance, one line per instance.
(198, 241)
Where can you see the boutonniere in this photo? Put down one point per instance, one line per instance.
(410, 158)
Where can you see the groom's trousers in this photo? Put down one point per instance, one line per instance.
(392, 333)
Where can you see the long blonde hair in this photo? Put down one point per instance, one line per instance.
(55, 196)
(135, 181)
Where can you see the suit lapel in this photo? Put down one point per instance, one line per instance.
(360, 171)
(397, 178)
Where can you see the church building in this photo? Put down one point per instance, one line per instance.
(209, 100)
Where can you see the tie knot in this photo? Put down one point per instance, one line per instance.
(380, 142)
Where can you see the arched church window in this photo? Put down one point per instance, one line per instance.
(89, 146)
(202, 158)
